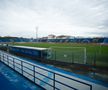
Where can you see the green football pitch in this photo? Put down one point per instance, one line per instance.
(95, 53)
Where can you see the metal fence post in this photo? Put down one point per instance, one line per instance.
(3, 57)
(13, 64)
(54, 82)
(8, 60)
(0, 56)
(34, 72)
(22, 67)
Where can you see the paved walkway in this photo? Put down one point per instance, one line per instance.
(5, 84)
(10, 80)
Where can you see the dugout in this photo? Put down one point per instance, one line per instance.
(32, 52)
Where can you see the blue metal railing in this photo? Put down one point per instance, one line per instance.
(38, 74)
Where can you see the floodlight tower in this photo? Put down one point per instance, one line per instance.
(36, 34)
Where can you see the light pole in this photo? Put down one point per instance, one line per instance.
(36, 34)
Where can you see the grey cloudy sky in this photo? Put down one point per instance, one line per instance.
(68, 17)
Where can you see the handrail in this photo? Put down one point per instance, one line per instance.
(4, 57)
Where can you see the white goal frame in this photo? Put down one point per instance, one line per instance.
(84, 48)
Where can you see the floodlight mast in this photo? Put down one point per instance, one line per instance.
(36, 34)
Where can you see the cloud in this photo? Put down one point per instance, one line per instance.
(71, 17)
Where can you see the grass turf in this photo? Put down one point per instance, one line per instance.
(96, 53)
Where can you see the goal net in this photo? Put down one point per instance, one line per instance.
(67, 54)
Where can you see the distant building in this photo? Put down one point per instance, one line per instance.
(51, 36)
(44, 38)
(62, 37)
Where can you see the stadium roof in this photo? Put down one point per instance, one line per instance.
(34, 48)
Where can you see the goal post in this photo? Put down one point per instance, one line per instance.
(67, 54)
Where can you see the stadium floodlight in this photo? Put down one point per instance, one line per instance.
(36, 34)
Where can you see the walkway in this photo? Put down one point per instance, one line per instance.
(10, 80)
